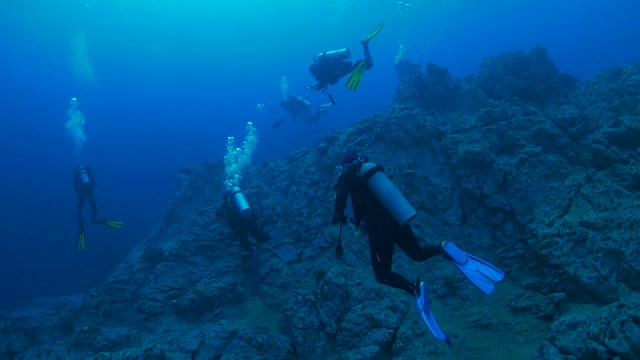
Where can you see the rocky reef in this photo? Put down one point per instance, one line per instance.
(518, 164)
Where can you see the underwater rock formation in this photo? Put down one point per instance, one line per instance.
(436, 90)
(517, 77)
(545, 188)
(532, 78)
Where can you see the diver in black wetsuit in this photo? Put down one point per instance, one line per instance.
(382, 227)
(84, 183)
(329, 66)
(241, 218)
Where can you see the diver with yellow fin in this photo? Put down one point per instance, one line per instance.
(83, 184)
(330, 66)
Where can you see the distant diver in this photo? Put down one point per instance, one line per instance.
(241, 218)
(296, 105)
(366, 197)
(299, 107)
(329, 66)
(277, 123)
(84, 183)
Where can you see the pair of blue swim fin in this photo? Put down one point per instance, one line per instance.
(479, 272)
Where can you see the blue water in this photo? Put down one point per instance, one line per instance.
(174, 78)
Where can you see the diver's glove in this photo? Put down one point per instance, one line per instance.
(81, 241)
(114, 223)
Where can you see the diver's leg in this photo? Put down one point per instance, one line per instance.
(256, 231)
(94, 211)
(367, 55)
(243, 236)
(381, 251)
(79, 210)
(240, 230)
(408, 242)
(80, 242)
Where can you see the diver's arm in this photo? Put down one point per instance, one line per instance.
(342, 195)
(222, 209)
(324, 107)
(331, 101)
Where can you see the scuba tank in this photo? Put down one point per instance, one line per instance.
(241, 202)
(390, 197)
(84, 175)
(301, 100)
(335, 55)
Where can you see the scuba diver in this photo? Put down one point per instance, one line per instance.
(83, 184)
(329, 66)
(241, 218)
(367, 198)
(297, 106)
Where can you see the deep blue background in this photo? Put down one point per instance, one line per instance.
(175, 78)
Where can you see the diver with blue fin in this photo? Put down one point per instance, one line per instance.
(366, 197)
(330, 66)
(84, 183)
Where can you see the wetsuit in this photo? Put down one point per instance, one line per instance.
(296, 105)
(328, 72)
(85, 192)
(383, 231)
(241, 226)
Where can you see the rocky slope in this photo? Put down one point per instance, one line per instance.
(518, 164)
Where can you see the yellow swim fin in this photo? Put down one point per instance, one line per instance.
(373, 33)
(356, 76)
(81, 242)
(114, 224)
